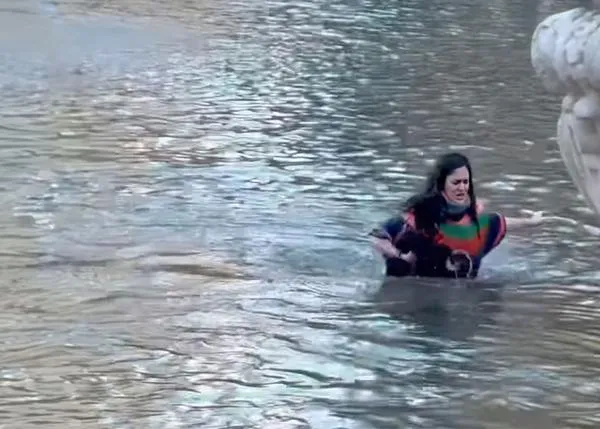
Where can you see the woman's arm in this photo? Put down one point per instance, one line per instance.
(398, 264)
(386, 248)
(382, 237)
(382, 240)
(535, 219)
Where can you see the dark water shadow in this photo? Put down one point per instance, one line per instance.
(452, 309)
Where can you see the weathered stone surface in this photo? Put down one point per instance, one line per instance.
(565, 54)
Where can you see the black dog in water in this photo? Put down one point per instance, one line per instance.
(432, 259)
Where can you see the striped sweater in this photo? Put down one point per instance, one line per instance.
(452, 236)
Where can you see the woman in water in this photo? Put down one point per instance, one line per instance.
(444, 231)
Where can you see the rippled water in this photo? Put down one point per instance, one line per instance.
(185, 194)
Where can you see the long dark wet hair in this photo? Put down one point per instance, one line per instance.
(429, 206)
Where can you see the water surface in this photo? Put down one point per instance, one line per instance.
(186, 192)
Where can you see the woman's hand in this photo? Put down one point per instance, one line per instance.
(386, 248)
(535, 219)
(409, 257)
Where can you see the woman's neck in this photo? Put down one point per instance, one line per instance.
(455, 209)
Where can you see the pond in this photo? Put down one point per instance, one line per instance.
(187, 189)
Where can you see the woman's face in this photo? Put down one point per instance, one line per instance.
(456, 188)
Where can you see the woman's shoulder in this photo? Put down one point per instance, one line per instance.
(491, 218)
(401, 218)
(480, 206)
(390, 227)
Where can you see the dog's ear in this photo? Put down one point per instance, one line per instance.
(409, 241)
(428, 213)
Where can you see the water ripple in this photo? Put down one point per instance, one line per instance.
(187, 189)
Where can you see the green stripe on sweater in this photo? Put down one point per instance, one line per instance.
(467, 231)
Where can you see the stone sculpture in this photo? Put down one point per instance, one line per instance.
(565, 54)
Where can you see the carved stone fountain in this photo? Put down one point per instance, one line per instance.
(565, 54)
